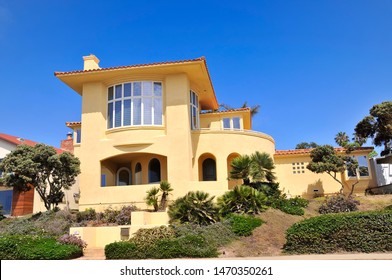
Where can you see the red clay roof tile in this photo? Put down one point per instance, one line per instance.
(22, 141)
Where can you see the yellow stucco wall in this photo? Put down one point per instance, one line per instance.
(178, 148)
(295, 179)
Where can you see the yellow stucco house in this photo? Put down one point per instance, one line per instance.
(145, 123)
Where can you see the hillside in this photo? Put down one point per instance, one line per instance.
(269, 239)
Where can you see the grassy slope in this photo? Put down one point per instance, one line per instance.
(268, 239)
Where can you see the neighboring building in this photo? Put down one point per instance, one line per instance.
(295, 179)
(21, 203)
(145, 123)
(383, 171)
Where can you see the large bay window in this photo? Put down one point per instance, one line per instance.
(135, 103)
(194, 109)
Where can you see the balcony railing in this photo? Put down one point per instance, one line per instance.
(234, 131)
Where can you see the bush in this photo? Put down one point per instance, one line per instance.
(72, 240)
(218, 234)
(87, 215)
(292, 206)
(195, 207)
(124, 215)
(242, 200)
(339, 203)
(26, 247)
(50, 223)
(243, 225)
(187, 246)
(352, 232)
(149, 236)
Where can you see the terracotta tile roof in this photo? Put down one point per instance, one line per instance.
(307, 151)
(131, 66)
(226, 111)
(71, 124)
(22, 141)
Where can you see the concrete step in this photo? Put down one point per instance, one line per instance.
(93, 254)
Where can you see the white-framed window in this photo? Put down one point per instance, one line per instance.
(231, 123)
(194, 110)
(135, 104)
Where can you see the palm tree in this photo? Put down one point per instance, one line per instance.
(342, 139)
(242, 200)
(195, 207)
(152, 198)
(254, 168)
(241, 167)
(253, 109)
(165, 188)
(261, 168)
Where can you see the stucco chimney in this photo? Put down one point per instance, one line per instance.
(90, 62)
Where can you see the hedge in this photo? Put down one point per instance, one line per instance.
(350, 232)
(28, 247)
(187, 246)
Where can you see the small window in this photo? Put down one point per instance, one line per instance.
(226, 123)
(236, 123)
(78, 136)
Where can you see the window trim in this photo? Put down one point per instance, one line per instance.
(194, 104)
(143, 97)
(231, 123)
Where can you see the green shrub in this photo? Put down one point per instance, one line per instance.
(50, 223)
(339, 203)
(120, 250)
(148, 236)
(351, 232)
(216, 235)
(242, 200)
(243, 225)
(187, 246)
(292, 206)
(87, 215)
(26, 247)
(195, 207)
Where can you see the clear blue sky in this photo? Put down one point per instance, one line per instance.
(314, 67)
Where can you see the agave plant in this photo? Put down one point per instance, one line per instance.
(242, 200)
(195, 207)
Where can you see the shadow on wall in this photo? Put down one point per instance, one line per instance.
(315, 189)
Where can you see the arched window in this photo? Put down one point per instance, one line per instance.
(154, 171)
(123, 177)
(138, 174)
(209, 170)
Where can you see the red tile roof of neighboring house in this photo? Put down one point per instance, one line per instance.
(307, 151)
(22, 141)
(226, 111)
(131, 66)
(71, 124)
